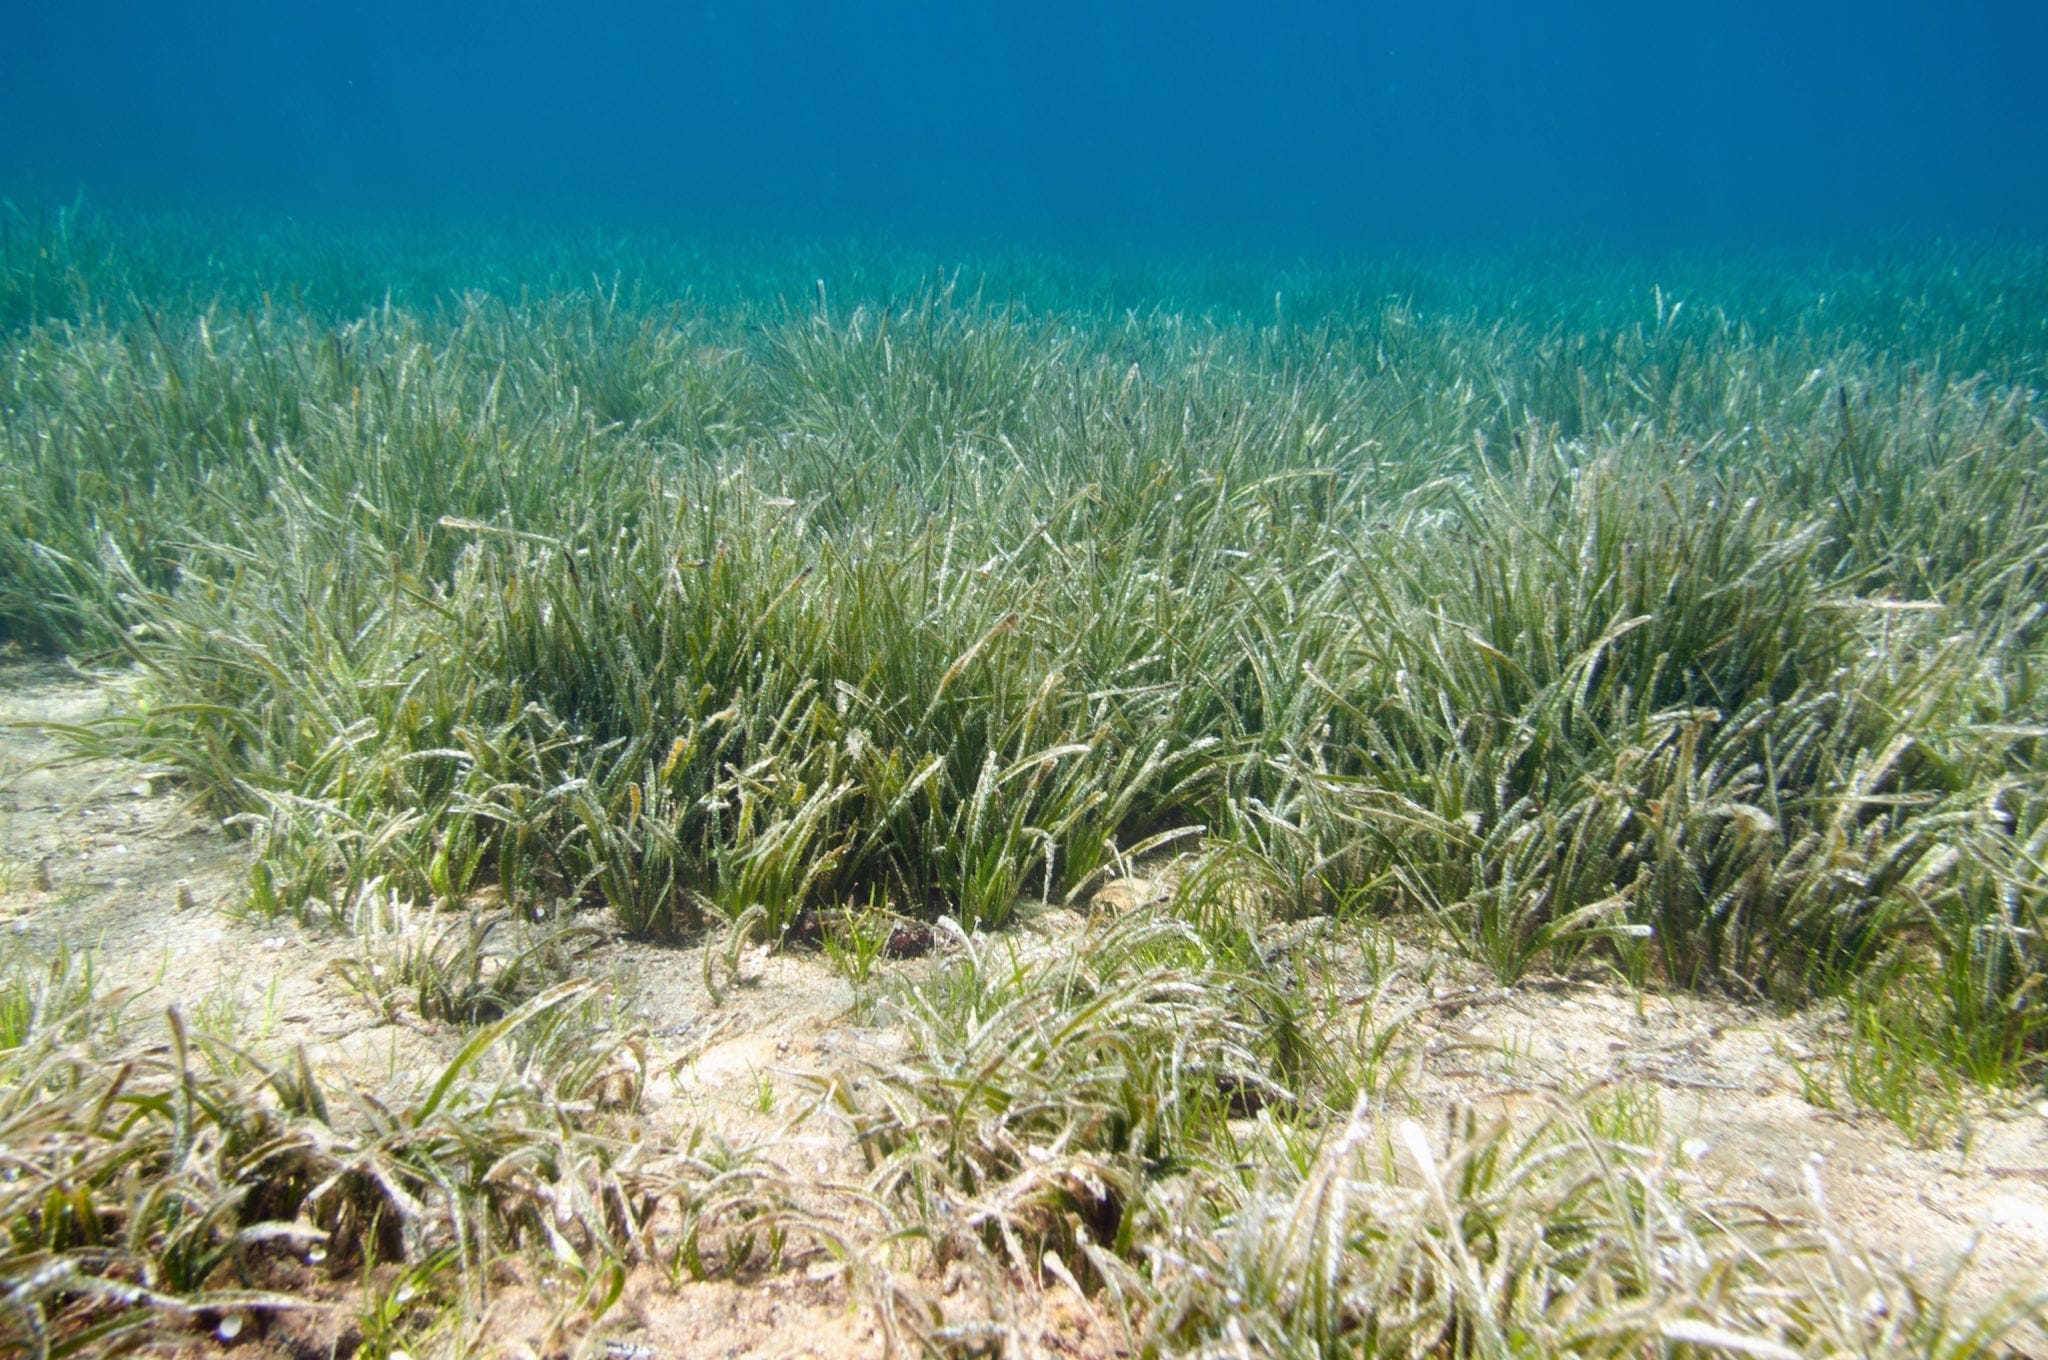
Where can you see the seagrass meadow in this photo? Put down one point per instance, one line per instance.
(1678, 622)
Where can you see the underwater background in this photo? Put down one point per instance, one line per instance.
(1150, 569)
(1081, 126)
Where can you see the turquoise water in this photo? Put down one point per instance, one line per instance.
(1082, 127)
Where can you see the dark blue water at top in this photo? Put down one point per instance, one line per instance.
(1276, 125)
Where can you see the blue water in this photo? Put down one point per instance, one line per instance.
(1276, 125)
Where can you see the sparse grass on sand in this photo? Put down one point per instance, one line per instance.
(1683, 624)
